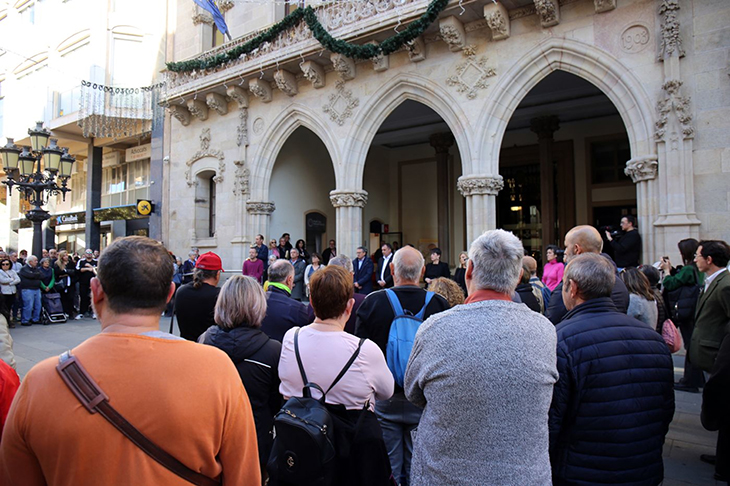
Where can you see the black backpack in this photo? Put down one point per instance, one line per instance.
(682, 302)
(304, 448)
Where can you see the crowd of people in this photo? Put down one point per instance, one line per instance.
(492, 375)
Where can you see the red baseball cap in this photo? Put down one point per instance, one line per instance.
(209, 261)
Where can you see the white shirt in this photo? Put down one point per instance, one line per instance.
(712, 277)
(385, 265)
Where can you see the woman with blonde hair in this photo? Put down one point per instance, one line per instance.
(64, 273)
(460, 272)
(448, 289)
(240, 308)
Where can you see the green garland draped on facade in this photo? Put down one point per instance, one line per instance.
(308, 14)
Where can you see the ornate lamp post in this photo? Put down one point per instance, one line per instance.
(23, 169)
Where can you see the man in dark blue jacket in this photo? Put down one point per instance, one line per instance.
(615, 397)
(364, 268)
(579, 240)
(282, 312)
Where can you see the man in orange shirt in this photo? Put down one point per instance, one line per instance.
(186, 398)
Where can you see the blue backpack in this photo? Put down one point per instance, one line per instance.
(401, 336)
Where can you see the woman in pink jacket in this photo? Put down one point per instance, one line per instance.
(552, 272)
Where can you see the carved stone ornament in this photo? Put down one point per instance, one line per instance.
(497, 19)
(205, 151)
(242, 128)
(258, 126)
(416, 49)
(180, 113)
(198, 109)
(548, 11)
(480, 185)
(217, 102)
(671, 42)
(380, 62)
(241, 182)
(201, 18)
(261, 89)
(224, 5)
(314, 73)
(674, 103)
(642, 168)
(635, 38)
(341, 103)
(343, 65)
(286, 82)
(604, 5)
(357, 199)
(239, 95)
(452, 32)
(260, 207)
(472, 74)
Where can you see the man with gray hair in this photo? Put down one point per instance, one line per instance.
(484, 374)
(397, 416)
(282, 312)
(30, 283)
(615, 398)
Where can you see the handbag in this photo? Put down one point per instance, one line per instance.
(671, 336)
(92, 397)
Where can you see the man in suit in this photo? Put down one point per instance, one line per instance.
(712, 321)
(363, 267)
(716, 403)
(385, 279)
(297, 292)
(584, 239)
(262, 251)
(282, 312)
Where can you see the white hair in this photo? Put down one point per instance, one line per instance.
(406, 267)
(496, 258)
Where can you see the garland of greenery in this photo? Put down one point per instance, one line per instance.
(354, 51)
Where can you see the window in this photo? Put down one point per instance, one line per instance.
(608, 160)
(218, 37)
(211, 209)
(291, 6)
(125, 183)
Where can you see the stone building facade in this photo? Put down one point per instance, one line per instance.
(422, 140)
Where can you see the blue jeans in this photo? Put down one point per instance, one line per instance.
(398, 418)
(31, 305)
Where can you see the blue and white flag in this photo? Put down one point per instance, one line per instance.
(212, 8)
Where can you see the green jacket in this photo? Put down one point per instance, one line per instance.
(685, 276)
(712, 320)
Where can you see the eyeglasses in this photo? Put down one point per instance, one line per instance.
(5, 263)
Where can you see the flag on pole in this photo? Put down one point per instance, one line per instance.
(212, 8)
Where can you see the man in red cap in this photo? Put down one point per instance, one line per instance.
(195, 301)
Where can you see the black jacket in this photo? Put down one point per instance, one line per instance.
(256, 357)
(716, 403)
(435, 271)
(195, 309)
(627, 249)
(556, 309)
(387, 277)
(350, 324)
(614, 400)
(30, 278)
(528, 298)
(282, 314)
(363, 275)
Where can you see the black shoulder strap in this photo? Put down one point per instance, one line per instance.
(91, 396)
(305, 380)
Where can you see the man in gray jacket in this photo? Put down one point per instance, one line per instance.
(484, 374)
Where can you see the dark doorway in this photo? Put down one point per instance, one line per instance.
(316, 224)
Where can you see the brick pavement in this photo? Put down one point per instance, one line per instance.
(685, 442)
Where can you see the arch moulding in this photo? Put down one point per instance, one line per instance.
(372, 114)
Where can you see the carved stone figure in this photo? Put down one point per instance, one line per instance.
(480, 185)
(242, 128)
(452, 32)
(548, 11)
(241, 181)
(198, 109)
(260, 89)
(180, 113)
(674, 103)
(286, 82)
(604, 5)
(642, 168)
(217, 102)
(416, 49)
(239, 95)
(671, 43)
(343, 65)
(497, 19)
(349, 199)
(313, 73)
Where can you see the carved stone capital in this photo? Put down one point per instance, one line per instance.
(260, 207)
(313, 73)
(548, 11)
(452, 32)
(201, 18)
(480, 185)
(441, 142)
(545, 126)
(180, 113)
(497, 19)
(343, 65)
(671, 43)
(416, 49)
(286, 82)
(356, 199)
(604, 5)
(198, 109)
(642, 168)
(217, 102)
(260, 89)
(239, 95)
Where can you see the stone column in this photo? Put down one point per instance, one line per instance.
(480, 192)
(643, 171)
(348, 206)
(259, 219)
(441, 142)
(545, 127)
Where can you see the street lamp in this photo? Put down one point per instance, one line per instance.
(23, 169)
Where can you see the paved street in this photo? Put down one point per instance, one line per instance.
(685, 442)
